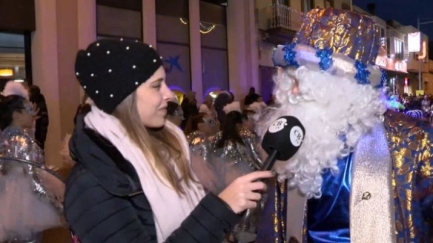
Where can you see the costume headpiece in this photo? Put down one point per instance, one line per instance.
(234, 106)
(337, 41)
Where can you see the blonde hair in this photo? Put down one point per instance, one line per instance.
(161, 147)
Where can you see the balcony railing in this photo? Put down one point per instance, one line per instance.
(414, 65)
(281, 16)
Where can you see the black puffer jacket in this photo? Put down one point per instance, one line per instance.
(104, 201)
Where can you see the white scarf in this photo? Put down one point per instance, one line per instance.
(169, 209)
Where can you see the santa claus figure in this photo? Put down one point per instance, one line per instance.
(362, 174)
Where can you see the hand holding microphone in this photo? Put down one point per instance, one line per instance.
(281, 141)
(244, 192)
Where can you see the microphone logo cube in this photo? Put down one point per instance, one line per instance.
(278, 125)
(296, 136)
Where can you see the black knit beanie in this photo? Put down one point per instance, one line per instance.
(110, 70)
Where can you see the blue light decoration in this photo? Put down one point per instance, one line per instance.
(362, 73)
(325, 56)
(173, 61)
(290, 55)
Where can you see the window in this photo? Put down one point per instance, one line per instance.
(307, 5)
(398, 48)
(14, 58)
(119, 19)
(214, 51)
(388, 50)
(329, 3)
(173, 45)
(282, 2)
(345, 6)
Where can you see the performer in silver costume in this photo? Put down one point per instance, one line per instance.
(30, 196)
(228, 155)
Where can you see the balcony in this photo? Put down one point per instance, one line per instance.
(414, 65)
(281, 23)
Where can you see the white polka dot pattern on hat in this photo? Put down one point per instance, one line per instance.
(95, 70)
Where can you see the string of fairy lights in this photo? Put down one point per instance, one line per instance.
(204, 28)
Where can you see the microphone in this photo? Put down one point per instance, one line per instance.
(282, 140)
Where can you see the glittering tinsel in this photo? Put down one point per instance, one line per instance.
(325, 56)
(362, 73)
(290, 55)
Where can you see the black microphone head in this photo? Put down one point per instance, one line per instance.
(285, 135)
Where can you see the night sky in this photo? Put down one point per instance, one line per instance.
(404, 11)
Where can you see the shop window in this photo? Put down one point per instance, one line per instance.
(172, 35)
(13, 58)
(213, 47)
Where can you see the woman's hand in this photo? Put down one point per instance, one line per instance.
(245, 191)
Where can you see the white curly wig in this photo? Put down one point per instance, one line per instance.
(336, 111)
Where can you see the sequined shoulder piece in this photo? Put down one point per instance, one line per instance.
(13, 136)
(195, 138)
(246, 133)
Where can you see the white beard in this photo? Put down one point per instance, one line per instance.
(330, 108)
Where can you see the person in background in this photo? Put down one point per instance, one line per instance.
(210, 126)
(133, 181)
(251, 97)
(189, 106)
(41, 126)
(195, 125)
(233, 152)
(174, 113)
(26, 208)
(222, 100)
